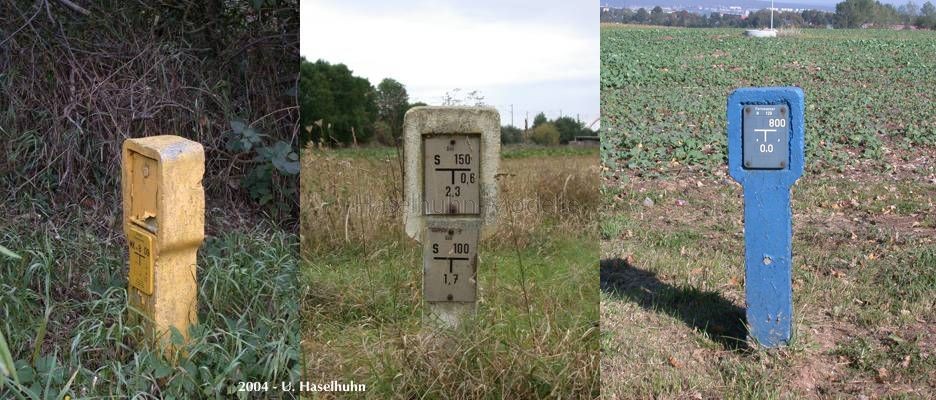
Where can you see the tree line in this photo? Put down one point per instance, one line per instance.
(848, 14)
(547, 132)
(338, 108)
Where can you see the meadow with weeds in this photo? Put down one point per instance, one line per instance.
(63, 300)
(536, 331)
(864, 231)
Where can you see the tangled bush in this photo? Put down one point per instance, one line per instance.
(77, 78)
(545, 134)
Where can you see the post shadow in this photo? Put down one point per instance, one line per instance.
(706, 311)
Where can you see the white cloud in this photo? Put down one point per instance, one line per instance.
(433, 47)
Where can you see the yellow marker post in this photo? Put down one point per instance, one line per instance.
(164, 220)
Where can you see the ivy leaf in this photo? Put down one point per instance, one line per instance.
(175, 336)
(284, 159)
(238, 126)
(160, 368)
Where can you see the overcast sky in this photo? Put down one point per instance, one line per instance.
(536, 55)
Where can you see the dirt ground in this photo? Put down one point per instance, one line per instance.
(672, 280)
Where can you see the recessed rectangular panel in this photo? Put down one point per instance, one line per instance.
(143, 190)
(450, 263)
(451, 178)
(765, 136)
(142, 259)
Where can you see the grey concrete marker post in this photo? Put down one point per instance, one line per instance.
(451, 156)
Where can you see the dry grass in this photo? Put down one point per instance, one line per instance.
(348, 200)
(357, 199)
(864, 284)
(362, 301)
(73, 87)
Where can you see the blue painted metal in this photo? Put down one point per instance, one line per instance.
(768, 219)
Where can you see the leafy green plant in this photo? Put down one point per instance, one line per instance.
(7, 367)
(273, 169)
(76, 341)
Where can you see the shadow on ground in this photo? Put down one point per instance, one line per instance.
(708, 312)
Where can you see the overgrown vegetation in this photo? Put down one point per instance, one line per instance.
(75, 82)
(64, 313)
(362, 283)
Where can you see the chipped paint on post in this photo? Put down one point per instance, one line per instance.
(164, 220)
(768, 218)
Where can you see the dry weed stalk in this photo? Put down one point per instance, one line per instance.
(74, 85)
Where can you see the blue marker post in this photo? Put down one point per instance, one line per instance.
(765, 155)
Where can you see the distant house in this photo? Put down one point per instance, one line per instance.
(586, 141)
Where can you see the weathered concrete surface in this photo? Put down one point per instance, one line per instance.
(448, 315)
(173, 212)
(422, 121)
(419, 123)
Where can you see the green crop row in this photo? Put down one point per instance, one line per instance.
(663, 92)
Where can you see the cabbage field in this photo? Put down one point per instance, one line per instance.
(864, 216)
(870, 94)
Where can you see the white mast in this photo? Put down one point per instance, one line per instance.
(771, 14)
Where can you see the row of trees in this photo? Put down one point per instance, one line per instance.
(547, 132)
(338, 108)
(848, 14)
(761, 18)
(859, 13)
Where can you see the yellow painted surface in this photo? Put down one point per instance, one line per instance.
(141, 259)
(164, 210)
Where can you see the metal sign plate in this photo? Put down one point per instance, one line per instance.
(450, 263)
(766, 136)
(141, 259)
(452, 180)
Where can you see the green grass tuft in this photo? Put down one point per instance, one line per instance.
(65, 312)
